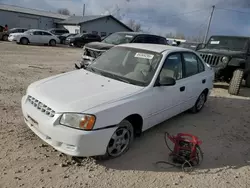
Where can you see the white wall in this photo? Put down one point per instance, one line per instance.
(103, 25)
(70, 28)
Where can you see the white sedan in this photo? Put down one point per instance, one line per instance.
(130, 88)
(37, 37)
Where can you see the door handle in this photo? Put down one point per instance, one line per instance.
(182, 88)
(204, 81)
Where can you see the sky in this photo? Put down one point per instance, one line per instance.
(189, 17)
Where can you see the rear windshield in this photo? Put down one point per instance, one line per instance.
(118, 38)
(227, 43)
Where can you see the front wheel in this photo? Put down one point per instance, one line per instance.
(120, 141)
(235, 83)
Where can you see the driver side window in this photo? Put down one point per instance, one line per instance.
(172, 67)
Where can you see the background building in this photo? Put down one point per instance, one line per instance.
(102, 25)
(15, 16)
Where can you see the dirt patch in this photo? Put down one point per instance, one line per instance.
(26, 161)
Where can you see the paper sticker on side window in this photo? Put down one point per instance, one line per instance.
(143, 55)
(215, 42)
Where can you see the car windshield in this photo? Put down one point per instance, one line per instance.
(228, 43)
(118, 38)
(192, 46)
(130, 65)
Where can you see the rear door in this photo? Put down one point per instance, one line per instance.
(46, 37)
(195, 78)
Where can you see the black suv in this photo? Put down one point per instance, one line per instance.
(94, 49)
(58, 31)
(230, 58)
(81, 39)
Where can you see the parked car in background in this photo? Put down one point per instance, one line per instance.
(37, 36)
(58, 31)
(81, 39)
(95, 49)
(127, 90)
(3, 34)
(230, 58)
(192, 45)
(12, 33)
(63, 37)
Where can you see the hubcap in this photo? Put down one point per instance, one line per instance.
(119, 142)
(201, 101)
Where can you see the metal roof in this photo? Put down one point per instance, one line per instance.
(76, 20)
(13, 8)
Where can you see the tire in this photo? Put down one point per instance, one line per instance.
(5, 38)
(126, 128)
(200, 102)
(52, 42)
(24, 41)
(248, 81)
(235, 83)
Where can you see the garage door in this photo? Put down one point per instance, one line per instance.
(26, 22)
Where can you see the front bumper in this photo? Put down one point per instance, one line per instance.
(85, 61)
(67, 140)
(11, 38)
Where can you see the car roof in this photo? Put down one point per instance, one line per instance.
(230, 36)
(159, 48)
(38, 30)
(138, 33)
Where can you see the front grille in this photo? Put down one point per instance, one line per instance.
(41, 107)
(212, 60)
(93, 53)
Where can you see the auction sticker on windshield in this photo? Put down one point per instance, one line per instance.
(144, 55)
(215, 42)
(129, 36)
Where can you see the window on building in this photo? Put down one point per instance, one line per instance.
(103, 34)
(95, 32)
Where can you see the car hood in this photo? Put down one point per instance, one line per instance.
(222, 52)
(79, 90)
(99, 45)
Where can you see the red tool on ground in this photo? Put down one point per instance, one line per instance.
(186, 152)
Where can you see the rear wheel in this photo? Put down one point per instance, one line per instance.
(120, 141)
(5, 37)
(235, 83)
(24, 41)
(52, 42)
(199, 104)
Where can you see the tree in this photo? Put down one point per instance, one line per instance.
(134, 26)
(63, 11)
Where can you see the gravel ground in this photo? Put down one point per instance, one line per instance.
(26, 161)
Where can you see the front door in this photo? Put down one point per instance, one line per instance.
(166, 100)
(35, 37)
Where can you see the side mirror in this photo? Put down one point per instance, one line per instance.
(166, 81)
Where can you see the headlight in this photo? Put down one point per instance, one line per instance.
(79, 121)
(225, 59)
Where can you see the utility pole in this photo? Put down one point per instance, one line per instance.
(209, 23)
(83, 10)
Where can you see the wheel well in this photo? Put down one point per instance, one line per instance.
(206, 92)
(137, 122)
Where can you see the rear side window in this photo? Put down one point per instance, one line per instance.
(37, 33)
(45, 33)
(193, 64)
